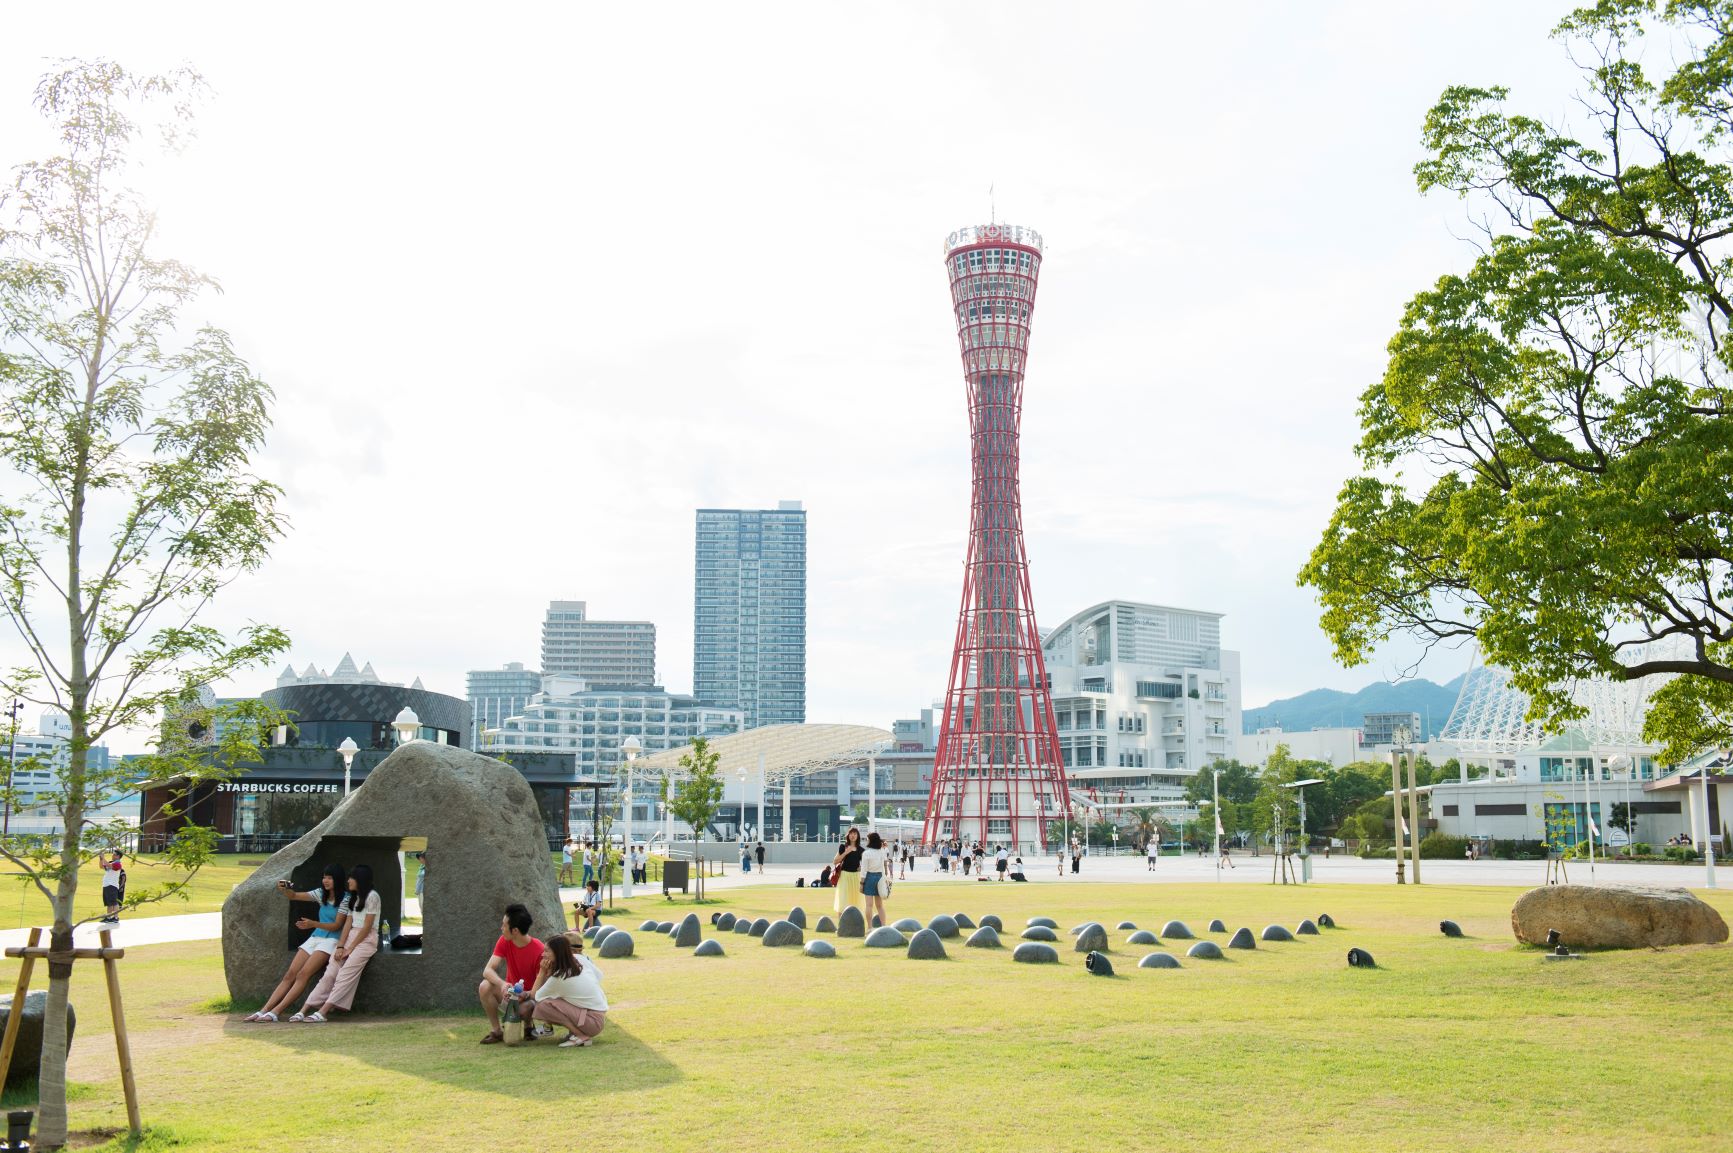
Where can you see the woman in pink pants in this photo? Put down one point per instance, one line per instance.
(336, 989)
(569, 992)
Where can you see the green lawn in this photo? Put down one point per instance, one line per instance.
(21, 904)
(1450, 1044)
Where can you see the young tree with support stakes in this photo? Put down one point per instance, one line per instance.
(129, 501)
(698, 797)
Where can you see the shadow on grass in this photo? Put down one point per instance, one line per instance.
(444, 1049)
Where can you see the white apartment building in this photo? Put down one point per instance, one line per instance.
(1145, 697)
(602, 652)
(1332, 746)
(570, 715)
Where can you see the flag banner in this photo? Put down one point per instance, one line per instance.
(1219, 831)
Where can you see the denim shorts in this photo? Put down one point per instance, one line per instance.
(869, 886)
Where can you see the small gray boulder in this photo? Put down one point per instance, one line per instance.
(796, 916)
(1143, 937)
(1243, 939)
(27, 1051)
(665, 927)
(710, 948)
(1176, 931)
(986, 937)
(1216, 926)
(759, 927)
(1123, 926)
(851, 923)
(648, 927)
(688, 934)
(784, 933)
(825, 925)
(1092, 939)
(725, 923)
(819, 949)
(1039, 933)
(603, 933)
(926, 946)
(963, 920)
(1035, 953)
(743, 927)
(1044, 922)
(1325, 921)
(885, 937)
(943, 926)
(1450, 928)
(617, 945)
(907, 925)
(1205, 951)
(1306, 929)
(990, 921)
(1161, 960)
(1277, 933)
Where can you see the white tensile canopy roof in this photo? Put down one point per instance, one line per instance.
(783, 750)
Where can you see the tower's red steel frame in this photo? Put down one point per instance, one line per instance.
(998, 754)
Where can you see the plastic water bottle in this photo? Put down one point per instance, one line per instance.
(384, 934)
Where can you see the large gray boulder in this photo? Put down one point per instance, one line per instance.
(1616, 917)
(617, 945)
(1176, 931)
(27, 1051)
(851, 923)
(783, 933)
(1205, 951)
(1160, 960)
(485, 834)
(986, 937)
(825, 925)
(710, 948)
(992, 921)
(1242, 939)
(796, 916)
(1035, 953)
(926, 946)
(687, 934)
(885, 937)
(1039, 933)
(1092, 938)
(819, 949)
(1143, 937)
(944, 926)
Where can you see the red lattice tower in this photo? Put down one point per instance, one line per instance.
(997, 775)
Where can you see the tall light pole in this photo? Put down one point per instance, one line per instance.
(348, 749)
(407, 725)
(1216, 813)
(1398, 754)
(14, 711)
(1299, 788)
(745, 828)
(631, 746)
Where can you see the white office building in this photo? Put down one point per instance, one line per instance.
(1145, 697)
(1332, 746)
(570, 715)
(601, 652)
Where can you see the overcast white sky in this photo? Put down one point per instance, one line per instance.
(532, 284)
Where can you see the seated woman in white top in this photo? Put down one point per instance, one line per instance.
(569, 992)
(875, 877)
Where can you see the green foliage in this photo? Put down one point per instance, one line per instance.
(127, 438)
(698, 796)
(1546, 462)
(1274, 813)
(1442, 846)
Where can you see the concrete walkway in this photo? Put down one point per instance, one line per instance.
(1125, 869)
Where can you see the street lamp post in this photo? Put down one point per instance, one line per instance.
(1398, 754)
(745, 828)
(1299, 788)
(407, 725)
(348, 748)
(1216, 816)
(631, 746)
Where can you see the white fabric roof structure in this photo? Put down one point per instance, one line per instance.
(784, 750)
(1490, 717)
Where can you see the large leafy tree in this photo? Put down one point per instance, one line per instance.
(127, 500)
(1548, 459)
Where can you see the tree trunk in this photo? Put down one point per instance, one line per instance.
(51, 1078)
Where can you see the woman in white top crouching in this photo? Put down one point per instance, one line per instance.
(569, 992)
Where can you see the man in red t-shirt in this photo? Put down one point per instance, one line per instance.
(517, 956)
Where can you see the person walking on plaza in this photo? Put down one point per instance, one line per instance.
(567, 851)
(514, 965)
(758, 852)
(1154, 849)
(745, 859)
(1003, 861)
(336, 989)
(845, 871)
(1224, 861)
(1076, 857)
(589, 862)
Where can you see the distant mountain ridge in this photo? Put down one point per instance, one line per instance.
(1333, 708)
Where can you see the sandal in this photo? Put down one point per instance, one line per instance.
(297, 1018)
(494, 1038)
(253, 1016)
(266, 1018)
(576, 1042)
(313, 1019)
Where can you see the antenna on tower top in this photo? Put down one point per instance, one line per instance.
(992, 207)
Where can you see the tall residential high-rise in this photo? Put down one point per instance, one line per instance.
(495, 694)
(997, 774)
(604, 652)
(749, 612)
